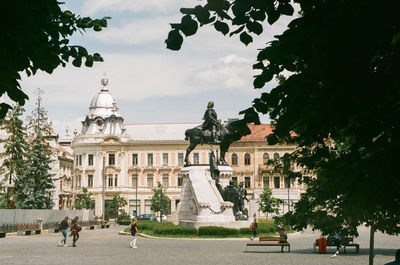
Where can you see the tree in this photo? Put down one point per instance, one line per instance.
(165, 201)
(84, 201)
(112, 207)
(15, 149)
(335, 55)
(33, 187)
(39, 40)
(269, 204)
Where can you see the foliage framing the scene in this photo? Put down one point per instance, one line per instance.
(39, 40)
(341, 98)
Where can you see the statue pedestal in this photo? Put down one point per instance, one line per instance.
(201, 203)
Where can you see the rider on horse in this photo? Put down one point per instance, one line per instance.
(210, 122)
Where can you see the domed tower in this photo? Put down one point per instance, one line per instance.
(103, 117)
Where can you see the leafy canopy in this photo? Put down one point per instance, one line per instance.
(39, 40)
(84, 201)
(341, 60)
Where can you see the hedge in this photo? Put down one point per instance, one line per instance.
(217, 231)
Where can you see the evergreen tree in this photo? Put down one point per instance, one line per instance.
(33, 186)
(15, 150)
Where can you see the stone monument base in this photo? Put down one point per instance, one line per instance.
(201, 203)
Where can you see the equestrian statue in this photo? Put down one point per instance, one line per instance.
(214, 133)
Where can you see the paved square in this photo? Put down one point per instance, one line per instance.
(105, 246)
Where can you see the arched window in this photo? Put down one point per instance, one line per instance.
(234, 159)
(276, 158)
(247, 159)
(265, 158)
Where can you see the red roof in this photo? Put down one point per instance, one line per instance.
(258, 132)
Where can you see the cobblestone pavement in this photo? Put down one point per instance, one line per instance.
(105, 246)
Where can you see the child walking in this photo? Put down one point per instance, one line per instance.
(75, 228)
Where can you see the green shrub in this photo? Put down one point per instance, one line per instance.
(246, 231)
(175, 230)
(218, 231)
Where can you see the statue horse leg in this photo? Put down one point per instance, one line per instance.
(224, 148)
(191, 147)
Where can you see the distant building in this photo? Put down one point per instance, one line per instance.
(134, 158)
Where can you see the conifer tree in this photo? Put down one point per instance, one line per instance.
(15, 151)
(33, 187)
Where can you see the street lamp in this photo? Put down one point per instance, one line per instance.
(103, 193)
(136, 180)
(160, 203)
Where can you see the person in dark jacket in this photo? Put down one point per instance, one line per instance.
(283, 235)
(75, 228)
(134, 232)
(64, 226)
(397, 259)
(254, 227)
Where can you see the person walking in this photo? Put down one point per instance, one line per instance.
(64, 226)
(134, 232)
(254, 227)
(75, 228)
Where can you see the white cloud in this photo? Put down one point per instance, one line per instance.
(91, 7)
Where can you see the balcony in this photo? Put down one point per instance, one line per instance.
(294, 193)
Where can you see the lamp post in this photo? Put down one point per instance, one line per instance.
(288, 190)
(136, 180)
(160, 203)
(103, 192)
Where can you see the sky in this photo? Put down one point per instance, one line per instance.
(150, 83)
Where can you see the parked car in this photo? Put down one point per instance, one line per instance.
(150, 217)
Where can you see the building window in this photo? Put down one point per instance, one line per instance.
(287, 182)
(110, 180)
(61, 187)
(235, 181)
(265, 158)
(276, 158)
(111, 159)
(134, 159)
(234, 159)
(116, 180)
(76, 160)
(180, 158)
(277, 182)
(80, 160)
(135, 180)
(90, 181)
(247, 182)
(196, 159)
(165, 180)
(149, 180)
(165, 159)
(180, 181)
(149, 159)
(247, 159)
(90, 160)
(147, 206)
(266, 181)
(134, 207)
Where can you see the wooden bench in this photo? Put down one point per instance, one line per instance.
(270, 241)
(346, 242)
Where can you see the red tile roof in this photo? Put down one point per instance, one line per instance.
(258, 132)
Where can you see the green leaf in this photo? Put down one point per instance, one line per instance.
(97, 27)
(188, 25)
(254, 27)
(258, 65)
(77, 61)
(245, 38)
(258, 15)
(273, 16)
(202, 14)
(89, 61)
(221, 27)
(174, 40)
(286, 9)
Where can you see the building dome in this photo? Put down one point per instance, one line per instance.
(103, 105)
(103, 117)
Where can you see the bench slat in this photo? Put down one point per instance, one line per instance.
(268, 244)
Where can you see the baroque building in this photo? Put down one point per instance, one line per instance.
(132, 159)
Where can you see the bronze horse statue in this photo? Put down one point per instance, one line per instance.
(228, 133)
